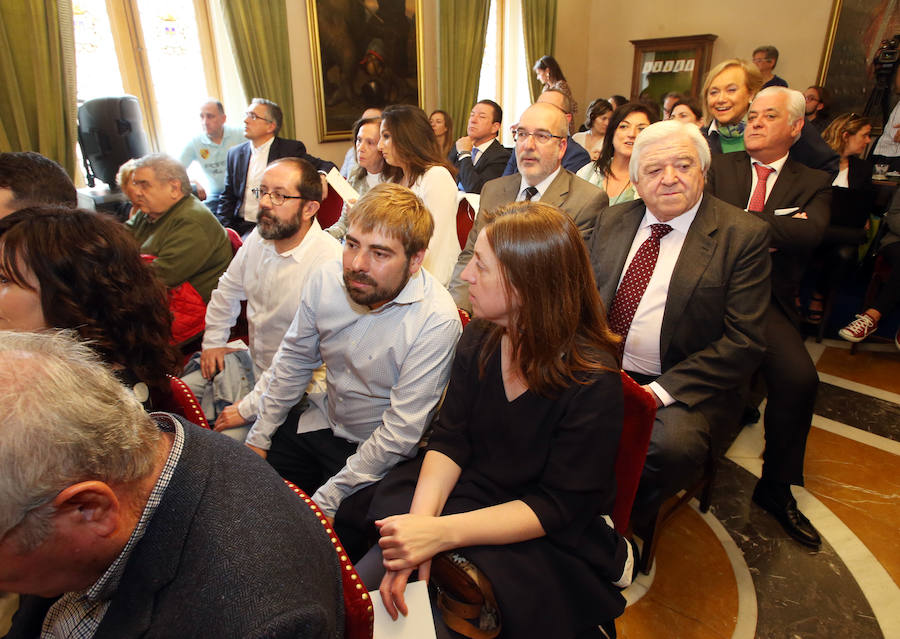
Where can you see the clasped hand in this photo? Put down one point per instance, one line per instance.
(407, 542)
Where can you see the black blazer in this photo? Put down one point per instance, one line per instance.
(490, 165)
(238, 162)
(793, 239)
(712, 332)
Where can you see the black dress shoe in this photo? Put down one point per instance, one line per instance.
(791, 519)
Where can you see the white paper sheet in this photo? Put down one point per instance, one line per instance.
(340, 185)
(417, 625)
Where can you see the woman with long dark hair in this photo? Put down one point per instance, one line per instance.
(610, 171)
(442, 125)
(80, 270)
(408, 143)
(550, 75)
(518, 476)
(596, 122)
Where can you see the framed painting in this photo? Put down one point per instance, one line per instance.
(663, 65)
(849, 69)
(365, 53)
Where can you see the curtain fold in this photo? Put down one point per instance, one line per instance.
(461, 32)
(35, 103)
(259, 38)
(539, 25)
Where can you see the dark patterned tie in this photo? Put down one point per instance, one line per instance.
(633, 285)
(758, 199)
(530, 192)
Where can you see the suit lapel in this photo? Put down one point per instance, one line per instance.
(780, 193)
(558, 191)
(696, 252)
(616, 242)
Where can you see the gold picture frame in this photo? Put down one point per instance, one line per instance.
(363, 58)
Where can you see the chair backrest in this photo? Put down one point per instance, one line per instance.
(465, 219)
(359, 615)
(640, 411)
(330, 209)
(187, 403)
(464, 316)
(235, 239)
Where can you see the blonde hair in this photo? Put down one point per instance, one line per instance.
(752, 80)
(397, 212)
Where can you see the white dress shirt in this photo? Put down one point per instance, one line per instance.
(541, 186)
(437, 189)
(770, 181)
(642, 343)
(259, 158)
(386, 371)
(271, 282)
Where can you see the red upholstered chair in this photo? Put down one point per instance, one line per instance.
(235, 239)
(465, 219)
(464, 316)
(359, 616)
(640, 410)
(186, 403)
(330, 210)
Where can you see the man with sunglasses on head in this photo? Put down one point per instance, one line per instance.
(541, 142)
(269, 272)
(246, 162)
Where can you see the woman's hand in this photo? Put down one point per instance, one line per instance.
(393, 585)
(410, 540)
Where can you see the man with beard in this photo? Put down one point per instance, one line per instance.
(269, 272)
(386, 331)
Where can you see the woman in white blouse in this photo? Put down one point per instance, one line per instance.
(408, 143)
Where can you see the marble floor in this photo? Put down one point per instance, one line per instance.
(734, 573)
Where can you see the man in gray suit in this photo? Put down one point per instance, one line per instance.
(540, 146)
(685, 277)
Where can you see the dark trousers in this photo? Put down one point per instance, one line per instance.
(889, 296)
(791, 385)
(307, 459)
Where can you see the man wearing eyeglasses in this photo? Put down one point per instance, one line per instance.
(269, 272)
(238, 208)
(541, 142)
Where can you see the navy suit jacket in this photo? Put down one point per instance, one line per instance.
(798, 187)
(231, 551)
(490, 165)
(238, 162)
(576, 157)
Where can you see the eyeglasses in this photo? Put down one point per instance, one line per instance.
(541, 137)
(254, 117)
(812, 98)
(277, 199)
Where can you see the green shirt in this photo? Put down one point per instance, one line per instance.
(188, 242)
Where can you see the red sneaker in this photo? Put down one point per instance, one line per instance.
(859, 329)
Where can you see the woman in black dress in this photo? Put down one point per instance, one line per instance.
(518, 473)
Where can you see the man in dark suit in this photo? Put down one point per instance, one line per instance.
(685, 277)
(131, 525)
(794, 201)
(540, 177)
(575, 156)
(478, 156)
(246, 163)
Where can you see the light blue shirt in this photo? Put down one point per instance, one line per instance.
(386, 370)
(212, 157)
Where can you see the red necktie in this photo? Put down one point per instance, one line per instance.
(633, 285)
(758, 199)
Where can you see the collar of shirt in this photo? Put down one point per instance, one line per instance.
(262, 148)
(681, 223)
(106, 586)
(482, 147)
(414, 291)
(777, 165)
(296, 253)
(540, 186)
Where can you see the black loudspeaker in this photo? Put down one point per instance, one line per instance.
(110, 134)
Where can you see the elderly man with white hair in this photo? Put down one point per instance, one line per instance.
(795, 201)
(116, 523)
(685, 277)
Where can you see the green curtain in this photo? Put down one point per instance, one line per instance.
(461, 30)
(259, 37)
(35, 105)
(539, 25)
